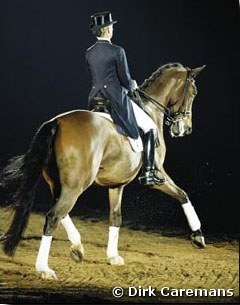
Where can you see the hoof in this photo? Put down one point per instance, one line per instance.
(117, 260)
(48, 275)
(77, 253)
(197, 239)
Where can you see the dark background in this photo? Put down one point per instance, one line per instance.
(43, 73)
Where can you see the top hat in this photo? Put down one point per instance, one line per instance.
(101, 20)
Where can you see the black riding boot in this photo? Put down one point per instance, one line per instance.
(148, 175)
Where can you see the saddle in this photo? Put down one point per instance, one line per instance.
(99, 104)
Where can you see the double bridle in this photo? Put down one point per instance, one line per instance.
(171, 116)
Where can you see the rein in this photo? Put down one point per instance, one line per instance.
(164, 109)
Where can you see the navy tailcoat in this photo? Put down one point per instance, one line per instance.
(108, 69)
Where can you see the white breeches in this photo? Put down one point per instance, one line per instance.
(143, 120)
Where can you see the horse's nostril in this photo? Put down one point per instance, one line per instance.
(189, 130)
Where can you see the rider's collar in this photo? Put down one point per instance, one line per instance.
(103, 39)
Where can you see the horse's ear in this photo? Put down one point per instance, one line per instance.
(196, 71)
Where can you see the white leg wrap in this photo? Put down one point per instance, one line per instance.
(112, 248)
(192, 218)
(72, 232)
(43, 253)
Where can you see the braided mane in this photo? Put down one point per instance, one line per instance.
(147, 82)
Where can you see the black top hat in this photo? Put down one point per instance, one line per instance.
(101, 20)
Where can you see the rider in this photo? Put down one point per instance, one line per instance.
(111, 80)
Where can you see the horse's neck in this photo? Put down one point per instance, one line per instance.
(161, 91)
(161, 94)
(155, 114)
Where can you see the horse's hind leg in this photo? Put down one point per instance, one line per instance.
(194, 223)
(76, 250)
(115, 221)
(60, 210)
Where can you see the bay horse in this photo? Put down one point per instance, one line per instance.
(76, 149)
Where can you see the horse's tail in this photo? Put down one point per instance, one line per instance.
(19, 179)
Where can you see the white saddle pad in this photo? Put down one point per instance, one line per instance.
(136, 144)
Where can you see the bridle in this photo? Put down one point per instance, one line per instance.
(171, 116)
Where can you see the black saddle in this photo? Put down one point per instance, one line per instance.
(99, 104)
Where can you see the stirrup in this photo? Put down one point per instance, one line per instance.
(149, 178)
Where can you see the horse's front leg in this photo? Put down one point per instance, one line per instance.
(115, 221)
(194, 223)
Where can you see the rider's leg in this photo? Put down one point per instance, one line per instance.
(143, 119)
(148, 175)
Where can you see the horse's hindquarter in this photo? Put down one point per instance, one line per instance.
(79, 147)
(89, 148)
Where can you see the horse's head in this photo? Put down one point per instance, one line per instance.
(181, 101)
(172, 90)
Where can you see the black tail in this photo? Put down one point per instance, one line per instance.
(19, 179)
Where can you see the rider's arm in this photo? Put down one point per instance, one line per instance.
(123, 71)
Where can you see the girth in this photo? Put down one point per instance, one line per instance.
(99, 104)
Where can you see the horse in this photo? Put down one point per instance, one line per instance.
(78, 148)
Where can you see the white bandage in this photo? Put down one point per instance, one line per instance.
(72, 232)
(192, 218)
(112, 248)
(43, 253)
